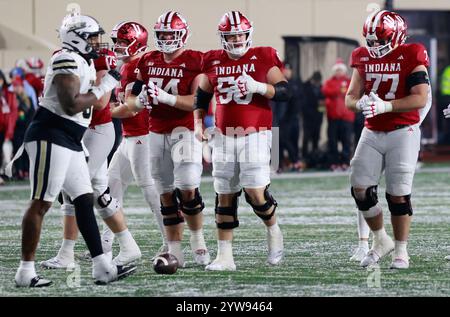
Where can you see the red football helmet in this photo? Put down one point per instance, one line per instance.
(386, 28)
(235, 23)
(171, 32)
(132, 33)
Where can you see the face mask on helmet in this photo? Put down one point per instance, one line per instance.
(169, 41)
(82, 34)
(236, 43)
(379, 49)
(170, 32)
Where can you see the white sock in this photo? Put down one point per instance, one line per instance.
(27, 265)
(380, 234)
(125, 239)
(274, 229)
(400, 248)
(175, 249)
(66, 250)
(152, 198)
(363, 227)
(197, 240)
(26, 271)
(363, 244)
(225, 249)
(100, 260)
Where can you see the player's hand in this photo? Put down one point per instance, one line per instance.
(142, 100)
(376, 106)
(446, 112)
(160, 96)
(106, 61)
(107, 84)
(245, 85)
(364, 101)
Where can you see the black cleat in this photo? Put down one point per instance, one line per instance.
(36, 281)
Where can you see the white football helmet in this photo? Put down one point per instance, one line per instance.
(75, 31)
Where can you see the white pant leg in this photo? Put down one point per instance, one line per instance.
(120, 174)
(254, 159)
(403, 147)
(186, 153)
(138, 152)
(225, 164)
(368, 162)
(49, 164)
(162, 165)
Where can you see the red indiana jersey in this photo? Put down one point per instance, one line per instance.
(103, 63)
(387, 77)
(175, 78)
(137, 125)
(252, 110)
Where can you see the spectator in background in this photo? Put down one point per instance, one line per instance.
(34, 74)
(29, 90)
(8, 117)
(287, 118)
(24, 116)
(312, 117)
(340, 119)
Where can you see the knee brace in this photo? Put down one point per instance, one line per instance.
(171, 214)
(228, 211)
(106, 205)
(190, 207)
(67, 207)
(369, 200)
(400, 209)
(261, 209)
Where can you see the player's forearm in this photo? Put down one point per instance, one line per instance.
(79, 103)
(122, 112)
(350, 102)
(408, 103)
(199, 114)
(185, 103)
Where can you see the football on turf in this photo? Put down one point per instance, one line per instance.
(165, 263)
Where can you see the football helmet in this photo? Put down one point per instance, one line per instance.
(35, 65)
(170, 32)
(132, 33)
(75, 31)
(386, 28)
(235, 23)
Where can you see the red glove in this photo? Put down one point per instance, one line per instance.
(106, 61)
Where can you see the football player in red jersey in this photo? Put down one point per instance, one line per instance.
(99, 141)
(167, 80)
(131, 160)
(390, 86)
(243, 79)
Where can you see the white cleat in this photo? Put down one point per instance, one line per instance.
(57, 263)
(127, 257)
(201, 257)
(36, 281)
(447, 258)
(221, 265)
(359, 254)
(275, 246)
(400, 263)
(379, 250)
(105, 275)
(162, 249)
